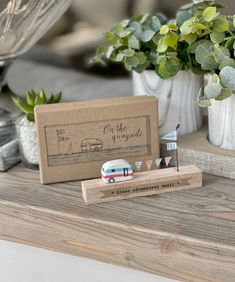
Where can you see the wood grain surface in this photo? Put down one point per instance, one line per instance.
(186, 235)
(196, 149)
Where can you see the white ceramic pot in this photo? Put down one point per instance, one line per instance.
(221, 117)
(176, 96)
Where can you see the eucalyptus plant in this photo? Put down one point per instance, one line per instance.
(199, 39)
(33, 99)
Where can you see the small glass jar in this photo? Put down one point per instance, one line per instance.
(27, 137)
(9, 150)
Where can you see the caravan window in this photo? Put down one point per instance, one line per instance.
(113, 170)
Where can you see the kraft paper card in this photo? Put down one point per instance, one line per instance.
(75, 139)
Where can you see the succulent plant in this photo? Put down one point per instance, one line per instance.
(199, 39)
(33, 99)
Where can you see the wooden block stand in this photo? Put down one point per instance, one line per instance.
(144, 184)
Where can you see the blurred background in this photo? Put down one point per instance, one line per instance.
(80, 30)
(60, 61)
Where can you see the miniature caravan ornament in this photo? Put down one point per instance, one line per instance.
(145, 183)
(116, 171)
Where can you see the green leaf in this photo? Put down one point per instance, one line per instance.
(138, 29)
(141, 57)
(203, 50)
(164, 29)
(109, 52)
(221, 25)
(225, 93)
(111, 38)
(186, 27)
(217, 37)
(156, 38)
(133, 42)
(153, 57)
(173, 65)
(162, 18)
(127, 67)
(22, 105)
(205, 56)
(30, 117)
(132, 61)
(193, 47)
(182, 16)
(147, 35)
(215, 78)
(209, 13)
(162, 47)
(212, 90)
(168, 69)
(162, 59)
(119, 57)
(227, 77)
(39, 101)
(125, 22)
(101, 50)
(42, 97)
(30, 98)
(54, 99)
(190, 38)
(125, 33)
(229, 42)
(117, 28)
(200, 26)
(141, 68)
(173, 27)
(171, 39)
(128, 52)
(155, 24)
(210, 64)
(220, 53)
(144, 18)
(204, 102)
(227, 62)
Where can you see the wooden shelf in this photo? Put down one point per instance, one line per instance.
(196, 149)
(186, 235)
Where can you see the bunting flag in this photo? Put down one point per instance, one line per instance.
(167, 161)
(171, 146)
(149, 164)
(172, 136)
(138, 165)
(158, 162)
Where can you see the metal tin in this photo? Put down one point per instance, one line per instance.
(7, 125)
(9, 149)
(9, 154)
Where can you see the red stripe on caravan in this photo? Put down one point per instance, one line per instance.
(116, 175)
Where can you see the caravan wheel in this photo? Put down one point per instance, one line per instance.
(111, 180)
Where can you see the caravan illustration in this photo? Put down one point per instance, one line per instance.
(91, 145)
(116, 171)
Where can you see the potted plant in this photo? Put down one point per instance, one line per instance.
(216, 54)
(162, 57)
(25, 125)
